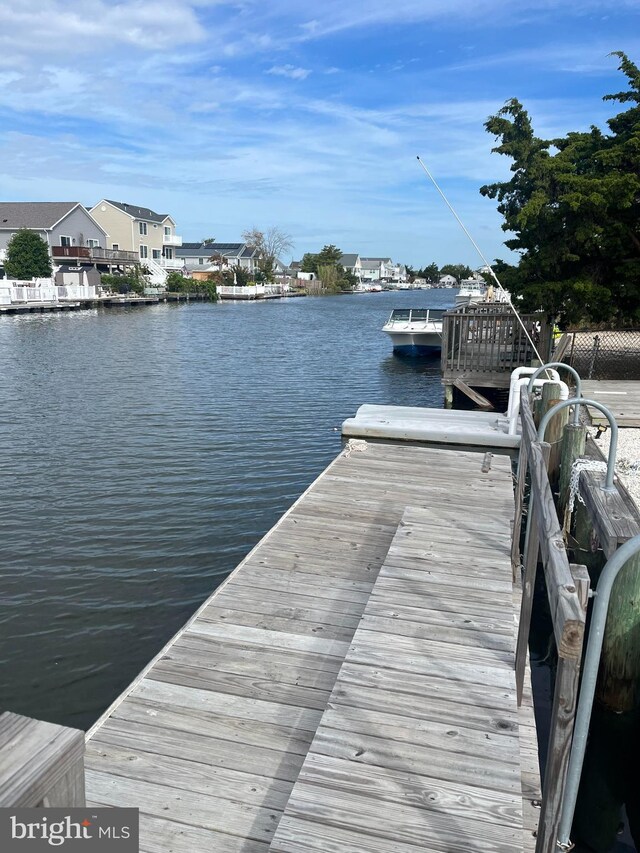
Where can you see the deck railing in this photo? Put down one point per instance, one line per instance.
(488, 338)
(568, 591)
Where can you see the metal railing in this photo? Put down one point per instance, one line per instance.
(568, 590)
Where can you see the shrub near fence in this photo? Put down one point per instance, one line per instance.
(608, 354)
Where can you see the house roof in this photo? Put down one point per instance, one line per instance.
(138, 212)
(348, 260)
(378, 260)
(370, 264)
(40, 215)
(232, 250)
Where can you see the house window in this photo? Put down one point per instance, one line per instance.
(167, 253)
(156, 254)
(93, 244)
(201, 260)
(143, 229)
(144, 251)
(65, 241)
(115, 246)
(167, 231)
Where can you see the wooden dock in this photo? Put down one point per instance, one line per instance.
(350, 687)
(622, 397)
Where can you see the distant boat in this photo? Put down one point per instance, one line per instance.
(475, 290)
(471, 291)
(414, 331)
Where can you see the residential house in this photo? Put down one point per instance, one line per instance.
(377, 269)
(193, 256)
(71, 233)
(352, 264)
(152, 236)
(448, 281)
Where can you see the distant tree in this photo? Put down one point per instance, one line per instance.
(458, 271)
(431, 272)
(133, 281)
(309, 263)
(241, 275)
(348, 280)
(272, 244)
(177, 283)
(329, 255)
(411, 272)
(330, 277)
(27, 256)
(218, 260)
(208, 240)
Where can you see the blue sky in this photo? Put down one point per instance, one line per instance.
(229, 115)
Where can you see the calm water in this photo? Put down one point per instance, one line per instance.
(145, 451)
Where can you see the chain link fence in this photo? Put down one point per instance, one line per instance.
(605, 354)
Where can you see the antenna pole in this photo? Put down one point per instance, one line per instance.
(479, 251)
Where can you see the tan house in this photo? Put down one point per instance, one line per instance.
(138, 229)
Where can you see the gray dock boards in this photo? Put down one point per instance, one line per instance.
(419, 747)
(210, 739)
(622, 397)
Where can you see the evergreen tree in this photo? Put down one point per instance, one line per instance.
(574, 207)
(27, 256)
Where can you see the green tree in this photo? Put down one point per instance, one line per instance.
(309, 263)
(573, 205)
(241, 275)
(431, 272)
(130, 282)
(330, 255)
(458, 271)
(27, 256)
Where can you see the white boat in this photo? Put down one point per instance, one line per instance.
(471, 292)
(475, 290)
(415, 330)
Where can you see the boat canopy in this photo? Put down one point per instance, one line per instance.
(417, 315)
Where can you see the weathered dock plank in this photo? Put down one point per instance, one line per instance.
(418, 705)
(209, 740)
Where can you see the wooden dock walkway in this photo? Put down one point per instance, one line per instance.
(350, 687)
(622, 397)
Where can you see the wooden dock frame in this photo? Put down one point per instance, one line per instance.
(483, 343)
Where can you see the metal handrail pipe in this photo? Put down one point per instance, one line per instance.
(602, 594)
(613, 445)
(572, 370)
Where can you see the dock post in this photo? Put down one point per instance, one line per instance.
(448, 396)
(553, 435)
(41, 764)
(573, 445)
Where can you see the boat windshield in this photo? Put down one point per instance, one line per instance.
(416, 315)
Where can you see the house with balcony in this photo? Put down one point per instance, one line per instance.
(150, 235)
(377, 269)
(71, 233)
(197, 256)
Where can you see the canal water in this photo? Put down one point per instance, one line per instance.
(146, 450)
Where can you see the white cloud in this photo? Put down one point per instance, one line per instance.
(289, 71)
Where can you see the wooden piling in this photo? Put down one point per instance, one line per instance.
(448, 396)
(619, 678)
(553, 434)
(573, 444)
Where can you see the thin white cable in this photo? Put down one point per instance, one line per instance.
(485, 261)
